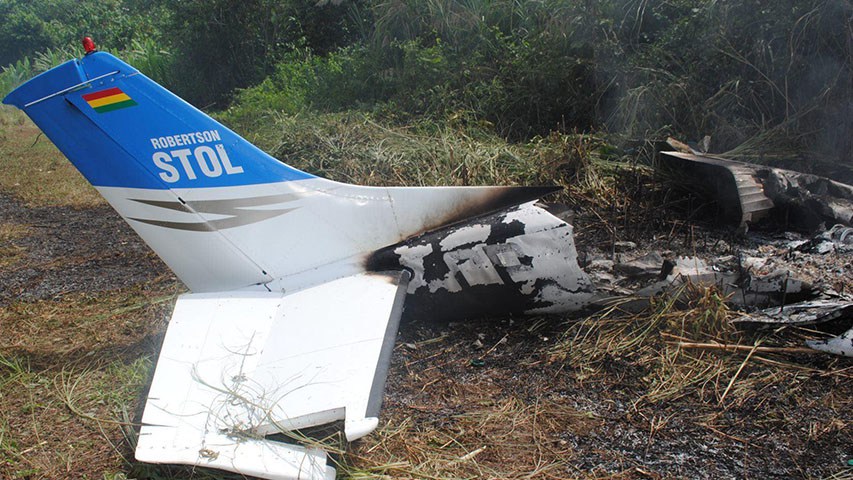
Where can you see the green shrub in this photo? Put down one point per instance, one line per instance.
(223, 45)
(151, 59)
(523, 83)
(32, 26)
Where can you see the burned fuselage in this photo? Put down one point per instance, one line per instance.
(518, 260)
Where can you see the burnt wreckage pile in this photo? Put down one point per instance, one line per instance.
(801, 277)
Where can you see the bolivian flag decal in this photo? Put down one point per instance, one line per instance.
(108, 100)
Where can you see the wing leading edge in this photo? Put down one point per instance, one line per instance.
(235, 367)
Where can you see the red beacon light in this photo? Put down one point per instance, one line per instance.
(89, 45)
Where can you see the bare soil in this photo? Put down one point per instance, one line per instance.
(73, 250)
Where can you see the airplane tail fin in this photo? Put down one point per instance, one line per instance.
(220, 212)
(121, 129)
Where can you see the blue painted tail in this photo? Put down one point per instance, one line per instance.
(144, 136)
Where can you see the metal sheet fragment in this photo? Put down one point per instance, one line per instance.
(736, 186)
(521, 260)
(801, 313)
(840, 345)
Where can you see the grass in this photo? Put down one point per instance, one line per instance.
(82, 322)
(368, 149)
(60, 422)
(10, 253)
(71, 372)
(657, 341)
(509, 438)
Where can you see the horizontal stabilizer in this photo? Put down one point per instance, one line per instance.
(236, 367)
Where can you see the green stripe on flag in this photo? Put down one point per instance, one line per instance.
(115, 106)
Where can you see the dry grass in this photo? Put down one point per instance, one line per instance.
(357, 148)
(84, 322)
(9, 252)
(52, 419)
(727, 366)
(71, 371)
(510, 438)
(345, 148)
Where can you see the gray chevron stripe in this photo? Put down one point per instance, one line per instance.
(235, 209)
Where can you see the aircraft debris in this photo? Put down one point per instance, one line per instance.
(787, 280)
(519, 260)
(801, 313)
(840, 345)
(646, 266)
(837, 239)
(735, 186)
(741, 288)
(747, 193)
(624, 246)
(298, 282)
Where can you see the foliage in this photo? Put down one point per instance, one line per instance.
(15, 74)
(37, 35)
(230, 44)
(768, 82)
(22, 70)
(31, 26)
(525, 77)
(526, 66)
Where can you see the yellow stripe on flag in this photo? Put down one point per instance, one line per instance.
(100, 102)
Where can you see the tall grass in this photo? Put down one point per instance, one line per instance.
(768, 84)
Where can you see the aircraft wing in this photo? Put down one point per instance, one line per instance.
(237, 366)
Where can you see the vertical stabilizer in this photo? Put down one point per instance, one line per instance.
(220, 212)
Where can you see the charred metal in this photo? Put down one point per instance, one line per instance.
(519, 260)
(747, 193)
(500, 199)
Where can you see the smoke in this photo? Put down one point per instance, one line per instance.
(769, 81)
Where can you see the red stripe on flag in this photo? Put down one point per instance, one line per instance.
(103, 93)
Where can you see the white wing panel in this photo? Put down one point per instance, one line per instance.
(237, 366)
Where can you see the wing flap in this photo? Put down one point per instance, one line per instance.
(238, 366)
(248, 456)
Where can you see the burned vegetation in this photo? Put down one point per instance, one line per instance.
(687, 367)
